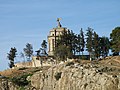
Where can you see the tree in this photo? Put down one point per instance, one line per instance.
(11, 55)
(38, 57)
(68, 39)
(22, 56)
(82, 40)
(78, 44)
(42, 52)
(96, 45)
(62, 52)
(104, 46)
(44, 47)
(89, 41)
(73, 43)
(115, 40)
(28, 50)
(107, 46)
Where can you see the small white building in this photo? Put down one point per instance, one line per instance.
(40, 61)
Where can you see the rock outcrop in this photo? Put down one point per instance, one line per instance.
(73, 76)
(7, 85)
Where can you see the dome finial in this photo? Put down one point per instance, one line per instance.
(58, 20)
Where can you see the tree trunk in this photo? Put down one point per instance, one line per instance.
(90, 56)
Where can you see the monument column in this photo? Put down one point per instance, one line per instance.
(53, 36)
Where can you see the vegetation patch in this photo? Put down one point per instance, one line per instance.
(21, 80)
(36, 70)
(58, 75)
(22, 88)
(69, 64)
(23, 68)
(106, 69)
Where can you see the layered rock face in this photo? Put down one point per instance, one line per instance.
(73, 76)
(7, 85)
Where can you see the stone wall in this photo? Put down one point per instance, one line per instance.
(34, 63)
(24, 64)
(37, 63)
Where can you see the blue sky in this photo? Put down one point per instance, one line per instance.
(29, 21)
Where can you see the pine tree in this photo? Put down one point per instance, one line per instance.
(44, 47)
(11, 55)
(78, 44)
(62, 52)
(107, 46)
(104, 45)
(115, 40)
(73, 42)
(96, 45)
(28, 50)
(68, 39)
(89, 41)
(22, 56)
(82, 40)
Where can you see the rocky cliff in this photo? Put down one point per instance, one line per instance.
(72, 75)
(75, 76)
(7, 85)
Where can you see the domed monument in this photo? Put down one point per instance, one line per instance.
(53, 36)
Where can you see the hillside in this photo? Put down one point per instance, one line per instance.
(71, 75)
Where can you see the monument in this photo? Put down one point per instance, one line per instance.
(53, 36)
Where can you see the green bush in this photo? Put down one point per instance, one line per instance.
(22, 88)
(58, 75)
(21, 80)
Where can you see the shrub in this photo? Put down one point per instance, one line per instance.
(22, 88)
(58, 75)
(21, 80)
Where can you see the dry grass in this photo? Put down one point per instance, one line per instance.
(19, 71)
